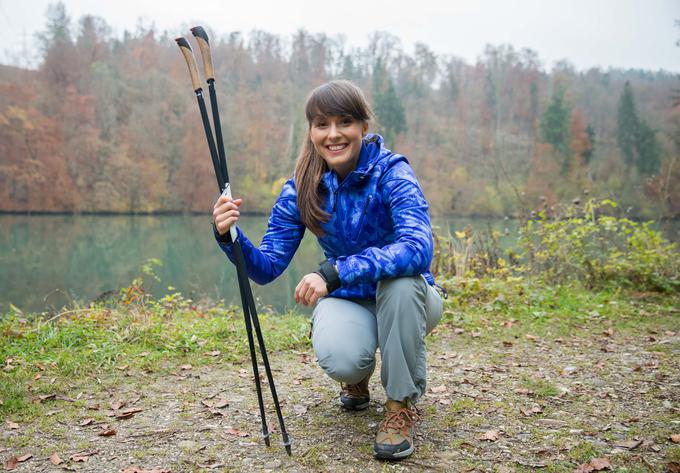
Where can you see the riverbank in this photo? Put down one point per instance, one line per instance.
(523, 377)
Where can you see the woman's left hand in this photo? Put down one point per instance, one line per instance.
(310, 289)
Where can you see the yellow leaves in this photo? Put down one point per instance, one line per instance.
(461, 235)
(20, 115)
(277, 185)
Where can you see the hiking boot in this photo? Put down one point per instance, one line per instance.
(356, 397)
(395, 437)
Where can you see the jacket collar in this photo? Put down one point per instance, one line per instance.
(371, 151)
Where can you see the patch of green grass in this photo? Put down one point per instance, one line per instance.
(584, 452)
(92, 343)
(540, 387)
(673, 454)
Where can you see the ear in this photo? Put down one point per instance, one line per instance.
(364, 128)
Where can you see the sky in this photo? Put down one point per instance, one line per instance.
(636, 34)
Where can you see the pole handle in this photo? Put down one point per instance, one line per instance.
(227, 193)
(204, 45)
(188, 54)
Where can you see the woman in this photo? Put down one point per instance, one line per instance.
(366, 208)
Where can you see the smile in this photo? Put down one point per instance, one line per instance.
(337, 147)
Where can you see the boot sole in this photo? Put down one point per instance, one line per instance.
(383, 455)
(357, 407)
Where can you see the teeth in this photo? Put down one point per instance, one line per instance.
(336, 147)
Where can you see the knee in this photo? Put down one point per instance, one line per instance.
(346, 367)
(406, 287)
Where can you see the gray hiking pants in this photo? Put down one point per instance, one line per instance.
(346, 334)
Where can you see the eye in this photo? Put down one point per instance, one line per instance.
(321, 124)
(346, 120)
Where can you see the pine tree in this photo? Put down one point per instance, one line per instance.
(387, 106)
(555, 123)
(635, 138)
(628, 125)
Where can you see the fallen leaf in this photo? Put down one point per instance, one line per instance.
(11, 463)
(673, 467)
(476, 334)
(439, 389)
(23, 458)
(81, 456)
(12, 425)
(491, 435)
(126, 413)
(630, 444)
(533, 338)
(54, 458)
(596, 464)
(214, 353)
(458, 331)
(444, 401)
(37, 376)
(185, 367)
(107, 431)
(300, 409)
(221, 403)
(675, 438)
(45, 397)
(85, 422)
(236, 432)
(123, 368)
(115, 405)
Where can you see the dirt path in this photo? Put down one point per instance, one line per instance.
(493, 404)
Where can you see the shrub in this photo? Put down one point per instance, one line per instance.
(598, 249)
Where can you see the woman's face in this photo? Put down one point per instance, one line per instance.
(338, 140)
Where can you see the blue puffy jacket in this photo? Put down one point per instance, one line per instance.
(379, 226)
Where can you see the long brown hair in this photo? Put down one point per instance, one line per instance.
(334, 98)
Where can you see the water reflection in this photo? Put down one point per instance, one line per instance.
(50, 261)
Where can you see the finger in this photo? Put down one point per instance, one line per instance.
(309, 294)
(298, 290)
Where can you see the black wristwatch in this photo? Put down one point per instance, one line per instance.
(329, 273)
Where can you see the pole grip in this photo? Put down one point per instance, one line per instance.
(227, 193)
(188, 54)
(204, 45)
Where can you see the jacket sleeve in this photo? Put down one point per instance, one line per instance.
(411, 251)
(280, 242)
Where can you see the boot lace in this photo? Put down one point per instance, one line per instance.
(400, 420)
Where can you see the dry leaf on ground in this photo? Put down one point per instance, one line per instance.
(675, 438)
(55, 459)
(596, 464)
(12, 425)
(491, 435)
(107, 431)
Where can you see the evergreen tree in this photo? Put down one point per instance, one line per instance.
(635, 138)
(388, 108)
(555, 123)
(588, 154)
(649, 153)
(628, 125)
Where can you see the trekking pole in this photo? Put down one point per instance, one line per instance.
(221, 173)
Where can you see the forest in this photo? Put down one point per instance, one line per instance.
(110, 124)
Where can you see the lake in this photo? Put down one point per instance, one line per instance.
(48, 261)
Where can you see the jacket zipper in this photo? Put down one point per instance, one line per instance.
(363, 216)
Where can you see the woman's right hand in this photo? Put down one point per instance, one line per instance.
(225, 213)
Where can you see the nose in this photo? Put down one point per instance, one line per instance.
(333, 131)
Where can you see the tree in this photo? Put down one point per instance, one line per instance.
(555, 123)
(387, 106)
(628, 125)
(636, 140)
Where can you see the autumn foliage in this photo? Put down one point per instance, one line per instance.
(110, 124)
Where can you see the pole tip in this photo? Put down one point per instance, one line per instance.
(199, 32)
